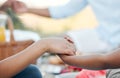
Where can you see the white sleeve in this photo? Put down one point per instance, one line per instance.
(71, 8)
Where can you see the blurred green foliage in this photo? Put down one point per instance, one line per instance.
(16, 21)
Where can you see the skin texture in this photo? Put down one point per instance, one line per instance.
(41, 12)
(18, 62)
(94, 62)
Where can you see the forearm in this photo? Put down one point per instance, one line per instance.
(92, 62)
(13, 65)
(41, 12)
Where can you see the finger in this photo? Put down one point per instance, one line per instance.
(6, 5)
(21, 4)
(11, 0)
(69, 52)
(22, 7)
(73, 50)
(15, 6)
(69, 39)
(18, 7)
(66, 52)
(71, 46)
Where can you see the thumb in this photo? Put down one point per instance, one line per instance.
(69, 52)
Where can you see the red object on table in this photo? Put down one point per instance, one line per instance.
(91, 74)
(71, 69)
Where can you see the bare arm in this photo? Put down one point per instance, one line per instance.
(71, 8)
(41, 12)
(94, 62)
(20, 7)
(14, 64)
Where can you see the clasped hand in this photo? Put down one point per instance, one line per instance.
(59, 46)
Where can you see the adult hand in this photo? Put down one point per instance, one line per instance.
(68, 38)
(6, 5)
(17, 6)
(60, 46)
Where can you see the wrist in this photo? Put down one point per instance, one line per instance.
(45, 45)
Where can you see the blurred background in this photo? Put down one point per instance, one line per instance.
(48, 26)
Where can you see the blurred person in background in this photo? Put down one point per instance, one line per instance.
(18, 66)
(104, 38)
